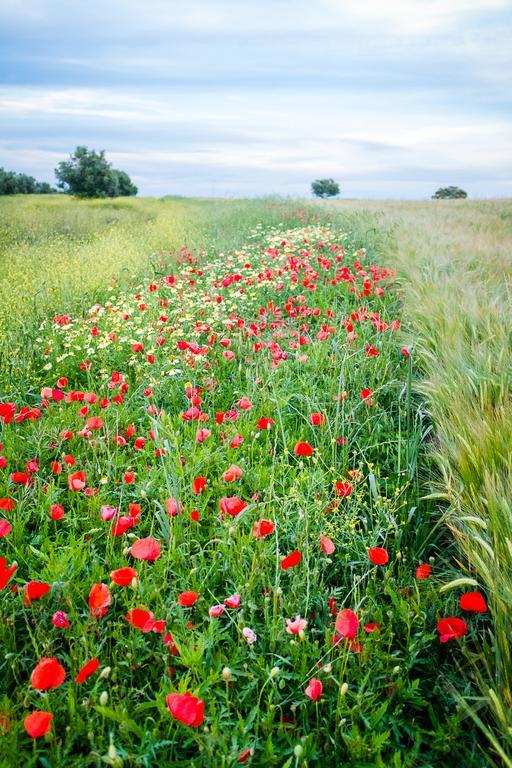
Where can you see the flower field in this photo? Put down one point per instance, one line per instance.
(215, 543)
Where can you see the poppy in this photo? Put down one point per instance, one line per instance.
(473, 601)
(232, 473)
(216, 610)
(47, 674)
(327, 545)
(186, 708)
(57, 511)
(378, 555)
(6, 505)
(291, 560)
(94, 423)
(347, 623)
(186, 599)
(244, 404)
(5, 528)
(99, 600)
(38, 724)
(141, 619)
(343, 488)
(123, 577)
(198, 485)
(34, 590)
(265, 423)
(423, 571)
(317, 419)
(60, 619)
(76, 481)
(371, 627)
(314, 689)
(263, 528)
(87, 670)
(145, 549)
(296, 625)
(233, 601)
(451, 628)
(173, 506)
(232, 505)
(303, 449)
(5, 572)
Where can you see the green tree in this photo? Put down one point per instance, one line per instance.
(449, 193)
(87, 173)
(325, 188)
(12, 183)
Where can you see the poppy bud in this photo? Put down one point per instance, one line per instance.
(103, 698)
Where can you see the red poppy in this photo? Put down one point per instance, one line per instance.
(34, 590)
(123, 576)
(423, 571)
(314, 689)
(233, 601)
(5, 528)
(371, 627)
(6, 505)
(87, 670)
(47, 674)
(38, 724)
(186, 708)
(378, 555)
(146, 549)
(232, 473)
(263, 528)
(141, 619)
(265, 423)
(5, 572)
(473, 601)
(99, 600)
(232, 505)
(343, 488)
(76, 481)
(60, 619)
(303, 449)
(451, 628)
(198, 485)
(317, 419)
(186, 599)
(173, 507)
(244, 404)
(291, 560)
(347, 623)
(57, 511)
(327, 545)
(94, 423)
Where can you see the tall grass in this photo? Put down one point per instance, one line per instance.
(455, 259)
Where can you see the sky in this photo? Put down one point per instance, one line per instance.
(392, 98)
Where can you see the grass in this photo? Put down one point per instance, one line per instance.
(391, 696)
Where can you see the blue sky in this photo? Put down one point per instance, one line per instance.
(393, 98)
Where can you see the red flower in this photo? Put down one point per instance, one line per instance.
(173, 507)
(198, 485)
(146, 549)
(263, 528)
(327, 545)
(291, 560)
(343, 488)
(451, 628)
(378, 556)
(473, 601)
(5, 572)
(303, 449)
(47, 674)
(265, 423)
(60, 619)
(371, 628)
(233, 601)
(141, 619)
(317, 419)
(94, 423)
(423, 571)
(232, 505)
(347, 623)
(186, 599)
(38, 724)
(87, 670)
(186, 708)
(57, 511)
(35, 589)
(5, 528)
(123, 576)
(6, 505)
(76, 481)
(99, 600)
(232, 473)
(314, 689)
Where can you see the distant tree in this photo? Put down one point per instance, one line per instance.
(325, 188)
(87, 173)
(449, 193)
(21, 184)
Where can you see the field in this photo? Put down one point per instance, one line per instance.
(255, 478)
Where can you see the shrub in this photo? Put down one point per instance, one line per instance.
(325, 188)
(449, 193)
(87, 173)
(12, 183)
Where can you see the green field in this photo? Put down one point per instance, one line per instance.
(292, 421)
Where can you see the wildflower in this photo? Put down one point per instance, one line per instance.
(187, 599)
(123, 576)
(232, 473)
(47, 674)
(38, 724)
(60, 619)
(473, 601)
(5, 572)
(294, 626)
(317, 419)
(314, 689)
(76, 481)
(347, 623)
(186, 708)
(303, 449)
(451, 628)
(249, 635)
(233, 601)
(327, 545)
(263, 528)
(423, 571)
(291, 560)
(99, 600)
(232, 505)
(146, 549)
(35, 590)
(87, 670)
(378, 555)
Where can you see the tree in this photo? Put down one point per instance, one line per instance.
(449, 193)
(87, 173)
(21, 184)
(325, 188)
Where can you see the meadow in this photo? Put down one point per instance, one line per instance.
(255, 483)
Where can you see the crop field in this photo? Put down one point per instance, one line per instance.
(255, 477)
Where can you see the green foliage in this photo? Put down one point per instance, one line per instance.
(88, 174)
(12, 183)
(449, 193)
(325, 188)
